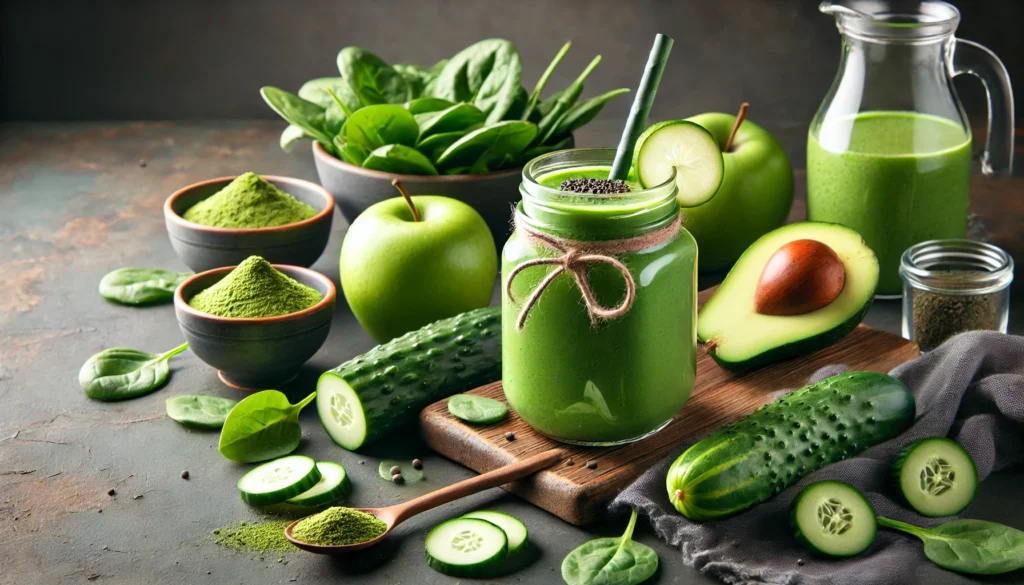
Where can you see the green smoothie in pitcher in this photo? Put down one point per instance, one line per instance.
(898, 178)
(599, 304)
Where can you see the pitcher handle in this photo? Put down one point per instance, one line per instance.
(977, 60)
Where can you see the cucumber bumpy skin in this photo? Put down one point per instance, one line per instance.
(394, 381)
(750, 460)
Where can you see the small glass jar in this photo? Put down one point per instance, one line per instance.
(952, 286)
(575, 366)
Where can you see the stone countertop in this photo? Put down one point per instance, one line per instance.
(78, 200)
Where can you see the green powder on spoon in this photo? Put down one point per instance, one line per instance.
(255, 289)
(339, 526)
(249, 202)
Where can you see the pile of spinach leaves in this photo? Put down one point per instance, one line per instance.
(465, 115)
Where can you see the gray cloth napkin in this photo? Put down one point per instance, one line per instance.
(970, 389)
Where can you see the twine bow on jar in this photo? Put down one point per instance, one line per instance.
(576, 257)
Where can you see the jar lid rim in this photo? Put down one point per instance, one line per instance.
(926, 265)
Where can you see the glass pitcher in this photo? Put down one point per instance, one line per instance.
(889, 151)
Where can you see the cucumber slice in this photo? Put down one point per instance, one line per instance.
(513, 528)
(478, 410)
(466, 547)
(833, 519)
(409, 473)
(373, 395)
(333, 485)
(276, 481)
(935, 476)
(687, 147)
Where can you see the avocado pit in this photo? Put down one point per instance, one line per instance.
(800, 277)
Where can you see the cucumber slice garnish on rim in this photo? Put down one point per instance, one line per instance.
(833, 519)
(333, 485)
(936, 476)
(278, 480)
(466, 547)
(513, 527)
(686, 147)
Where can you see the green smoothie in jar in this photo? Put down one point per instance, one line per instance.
(619, 365)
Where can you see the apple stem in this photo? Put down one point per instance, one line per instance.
(736, 126)
(401, 189)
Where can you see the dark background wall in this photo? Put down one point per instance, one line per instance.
(191, 59)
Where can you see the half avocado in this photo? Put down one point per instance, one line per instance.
(740, 338)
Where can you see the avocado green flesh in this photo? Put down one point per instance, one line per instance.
(741, 338)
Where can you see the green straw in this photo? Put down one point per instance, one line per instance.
(637, 120)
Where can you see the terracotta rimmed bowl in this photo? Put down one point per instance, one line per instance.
(254, 354)
(203, 247)
(492, 195)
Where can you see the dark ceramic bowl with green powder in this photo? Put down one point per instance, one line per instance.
(492, 195)
(203, 247)
(260, 352)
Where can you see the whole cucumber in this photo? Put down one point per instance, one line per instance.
(750, 460)
(369, 396)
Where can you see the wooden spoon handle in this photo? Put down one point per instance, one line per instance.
(476, 484)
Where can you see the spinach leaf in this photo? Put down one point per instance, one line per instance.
(581, 114)
(532, 153)
(120, 373)
(427, 104)
(334, 119)
(968, 546)
(354, 155)
(295, 110)
(199, 410)
(262, 426)
(416, 77)
(535, 96)
(485, 74)
(318, 91)
(611, 561)
(545, 106)
(399, 159)
(141, 286)
(372, 80)
(566, 99)
(374, 126)
(518, 105)
(433, 146)
(458, 118)
(489, 148)
(292, 134)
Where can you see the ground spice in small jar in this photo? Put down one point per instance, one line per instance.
(953, 286)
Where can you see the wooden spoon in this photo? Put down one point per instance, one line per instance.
(395, 515)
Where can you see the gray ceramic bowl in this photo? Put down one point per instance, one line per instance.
(492, 195)
(253, 354)
(202, 247)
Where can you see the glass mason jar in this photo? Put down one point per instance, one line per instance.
(576, 366)
(952, 286)
(889, 151)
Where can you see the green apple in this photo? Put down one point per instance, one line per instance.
(399, 273)
(754, 197)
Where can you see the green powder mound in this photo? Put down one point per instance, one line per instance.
(339, 525)
(258, 537)
(255, 289)
(249, 202)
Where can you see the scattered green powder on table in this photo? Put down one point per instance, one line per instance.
(255, 289)
(258, 537)
(249, 202)
(339, 525)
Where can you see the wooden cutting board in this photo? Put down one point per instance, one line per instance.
(579, 495)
